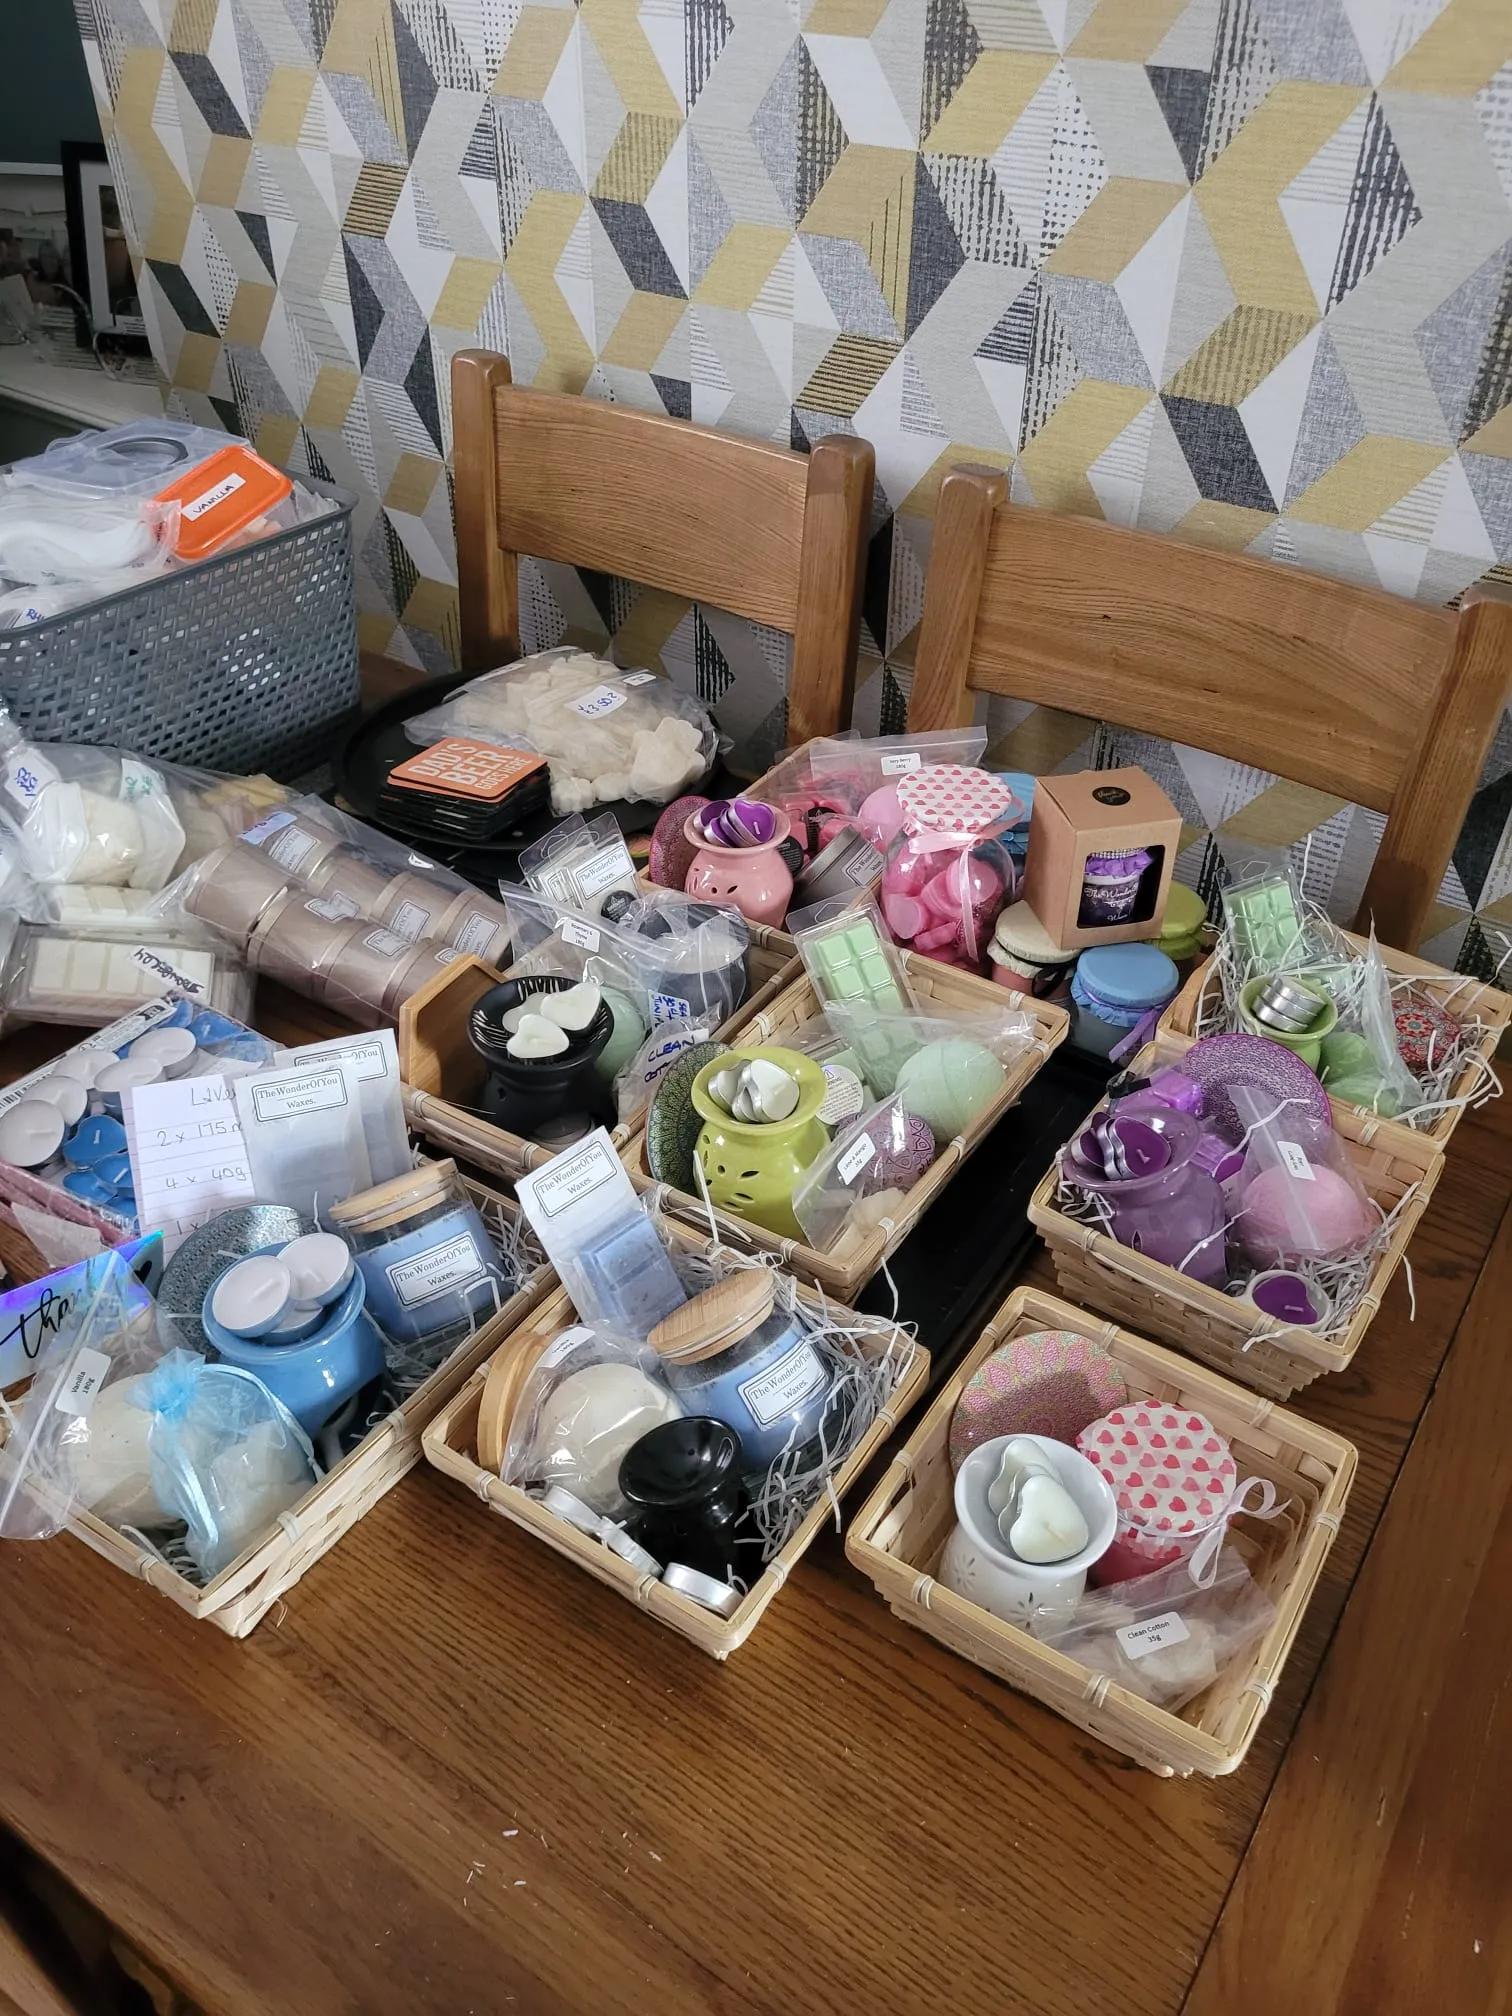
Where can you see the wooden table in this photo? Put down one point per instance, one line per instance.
(456, 1775)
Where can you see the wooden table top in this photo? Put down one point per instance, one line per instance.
(455, 1774)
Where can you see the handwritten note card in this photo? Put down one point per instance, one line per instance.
(188, 1158)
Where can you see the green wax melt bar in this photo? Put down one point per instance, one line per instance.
(856, 969)
(1263, 919)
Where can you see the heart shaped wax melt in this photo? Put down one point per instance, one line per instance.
(574, 1008)
(1049, 1526)
(536, 1037)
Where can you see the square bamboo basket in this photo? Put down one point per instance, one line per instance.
(442, 1072)
(1220, 1330)
(1466, 998)
(243, 1593)
(450, 1443)
(897, 1536)
(850, 1263)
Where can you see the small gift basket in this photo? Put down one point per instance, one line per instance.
(678, 1419)
(1156, 1616)
(1399, 1039)
(1220, 1201)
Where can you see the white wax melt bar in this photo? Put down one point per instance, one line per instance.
(31, 1134)
(252, 1296)
(320, 1266)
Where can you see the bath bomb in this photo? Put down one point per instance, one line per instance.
(949, 1082)
(1285, 1218)
(111, 1468)
(626, 1037)
(587, 1425)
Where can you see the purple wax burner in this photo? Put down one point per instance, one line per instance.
(1286, 1298)
(1110, 888)
(1176, 1213)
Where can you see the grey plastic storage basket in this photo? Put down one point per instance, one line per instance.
(245, 662)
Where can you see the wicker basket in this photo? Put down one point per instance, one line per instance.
(1218, 1329)
(897, 1536)
(442, 1072)
(1464, 997)
(242, 1594)
(450, 1443)
(855, 1257)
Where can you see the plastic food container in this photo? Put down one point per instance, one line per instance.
(1113, 989)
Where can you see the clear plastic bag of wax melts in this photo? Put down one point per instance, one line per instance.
(579, 863)
(1161, 1636)
(674, 959)
(586, 1402)
(73, 1441)
(226, 1456)
(949, 1069)
(607, 734)
(862, 1178)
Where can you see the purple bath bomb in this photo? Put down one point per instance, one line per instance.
(905, 1147)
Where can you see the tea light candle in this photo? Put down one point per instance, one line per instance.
(174, 1049)
(31, 1133)
(67, 1094)
(251, 1297)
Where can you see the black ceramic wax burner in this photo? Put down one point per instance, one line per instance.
(525, 1094)
(686, 1497)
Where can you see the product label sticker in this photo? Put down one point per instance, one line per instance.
(410, 920)
(271, 822)
(900, 761)
(476, 934)
(372, 1056)
(573, 1175)
(602, 870)
(334, 909)
(1153, 1635)
(26, 775)
(584, 936)
(783, 1386)
(597, 702)
(300, 1092)
(1296, 1162)
(291, 850)
(87, 1374)
(855, 1158)
(670, 1008)
(559, 1347)
(454, 1264)
(460, 767)
(216, 494)
(863, 865)
(638, 679)
(151, 960)
(389, 943)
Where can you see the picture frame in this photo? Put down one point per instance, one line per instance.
(98, 253)
(34, 246)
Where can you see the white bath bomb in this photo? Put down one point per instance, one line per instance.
(587, 1425)
(111, 1467)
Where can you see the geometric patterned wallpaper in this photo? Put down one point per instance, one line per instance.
(1236, 270)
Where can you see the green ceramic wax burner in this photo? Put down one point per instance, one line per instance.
(752, 1167)
(1305, 1042)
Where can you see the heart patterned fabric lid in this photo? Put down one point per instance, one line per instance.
(1170, 1468)
(954, 798)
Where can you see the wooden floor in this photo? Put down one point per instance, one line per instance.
(455, 1775)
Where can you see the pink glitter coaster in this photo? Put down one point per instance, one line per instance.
(1047, 1382)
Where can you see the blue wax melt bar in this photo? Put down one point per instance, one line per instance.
(628, 1283)
(115, 1172)
(97, 1138)
(87, 1187)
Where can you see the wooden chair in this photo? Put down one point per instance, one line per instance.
(756, 529)
(1380, 701)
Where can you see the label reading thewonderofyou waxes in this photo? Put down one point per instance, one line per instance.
(783, 1386)
(455, 1264)
(1153, 1635)
(300, 1092)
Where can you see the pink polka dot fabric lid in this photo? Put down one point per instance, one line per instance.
(953, 798)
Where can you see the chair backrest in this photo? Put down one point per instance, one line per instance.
(1379, 701)
(747, 526)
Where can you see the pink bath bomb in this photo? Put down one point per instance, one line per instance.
(1284, 1217)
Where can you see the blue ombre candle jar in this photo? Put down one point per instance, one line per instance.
(432, 1272)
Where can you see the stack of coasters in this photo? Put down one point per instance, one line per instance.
(465, 792)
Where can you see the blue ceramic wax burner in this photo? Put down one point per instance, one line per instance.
(732, 1355)
(317, 1375)
(432, 1272)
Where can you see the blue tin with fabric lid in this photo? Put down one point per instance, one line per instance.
(1114, 988)
(1021, 783)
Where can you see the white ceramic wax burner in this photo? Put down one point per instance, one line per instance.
(980, 1566)
(1037, 1518)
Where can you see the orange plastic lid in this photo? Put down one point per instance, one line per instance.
(221, 497)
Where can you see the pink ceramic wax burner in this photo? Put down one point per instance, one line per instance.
(948, 873)
(750, 873)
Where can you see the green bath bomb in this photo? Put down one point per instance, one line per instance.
(949, 1082)
(1349, 1070)
(625, 1038)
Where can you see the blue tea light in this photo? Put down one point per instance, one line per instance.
(430, 1268)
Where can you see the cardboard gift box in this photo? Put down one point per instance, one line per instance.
(1099, 813)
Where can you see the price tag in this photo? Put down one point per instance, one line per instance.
(639, 679)
(901, 760)
(1153, 1635)
(27, 776)
(600, 700)
(1296, 1162)
(855, 1158)
(584, 936)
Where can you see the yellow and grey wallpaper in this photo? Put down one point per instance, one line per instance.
(1236, 270)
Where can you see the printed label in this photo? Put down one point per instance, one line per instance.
(216, 494)
(670, 1008)
(476, 934)
(410, 920)
(335, 909)
(567, 1179)
(638, 679)
(599, 701)
(369, 1059)
(900, 761)
(1153, 1635)
(1296, 1162)
(386, 942)
(290, 850)
(582, 935)
(87, 1374)
(601, 871)
(855, 1158)
(309, 1092)
(27, 776)
(453, 1265)
(154, 962)
(783, 1386)
(272, 822)
(559, 1347)
(865, 863)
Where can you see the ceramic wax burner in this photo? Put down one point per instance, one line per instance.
(319, 1373)
(682, 1481)
(752, 1167)
(525, 1094)
(737, 859)
(979, 1564)
(732, 1354)
(1173, 1208)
